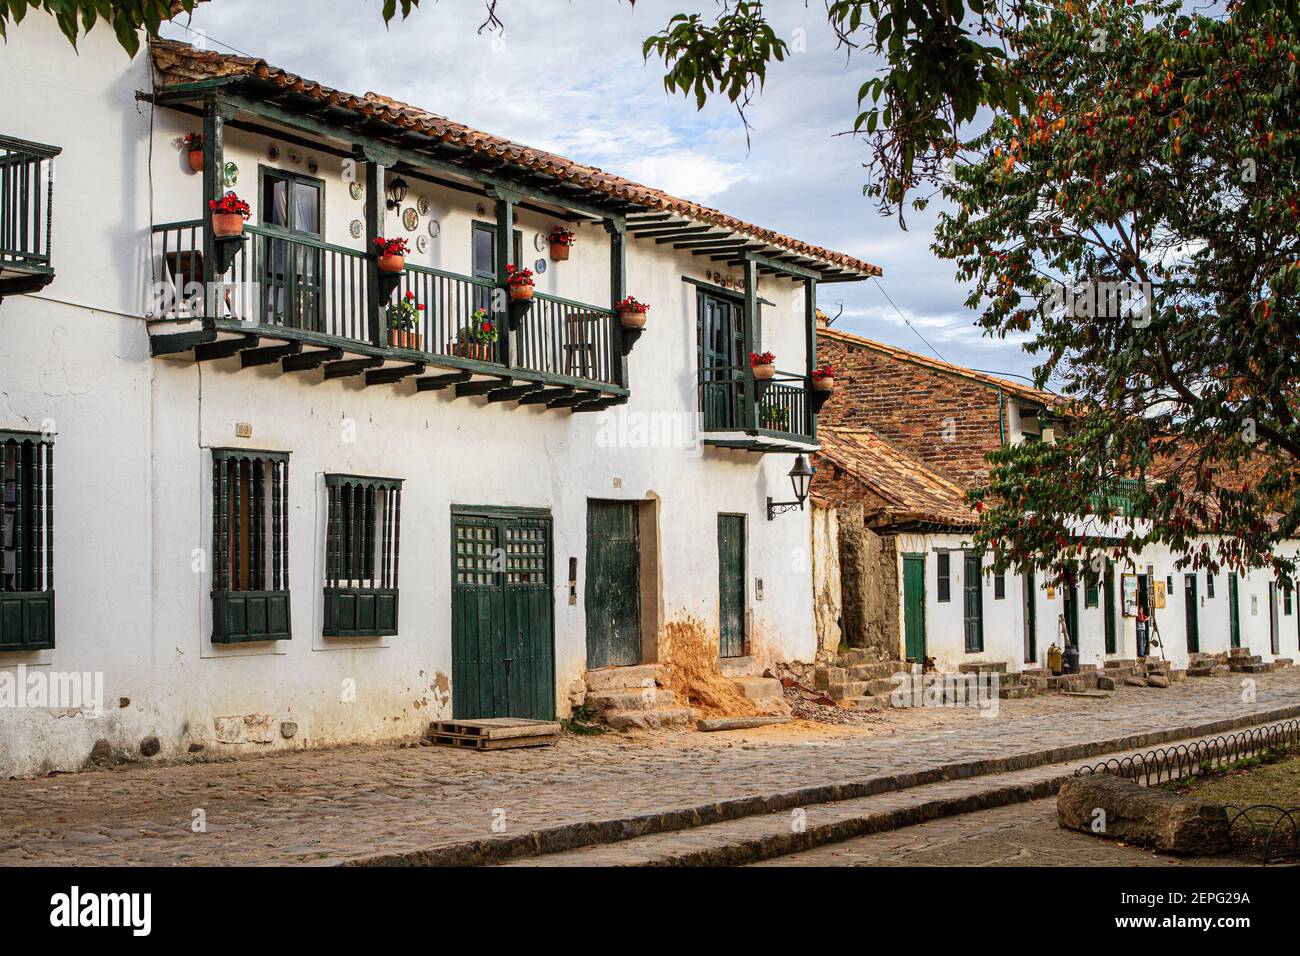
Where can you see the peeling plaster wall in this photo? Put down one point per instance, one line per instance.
(827, 593)
(132, 466)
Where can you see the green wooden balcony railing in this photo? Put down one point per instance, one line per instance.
(782, 403)
(26, 205)
(313, 290)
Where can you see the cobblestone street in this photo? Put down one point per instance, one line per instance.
(1025, 834)
(351, 803)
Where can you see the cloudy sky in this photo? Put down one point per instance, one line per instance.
(568, 76)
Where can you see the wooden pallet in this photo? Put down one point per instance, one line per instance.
(496, 733)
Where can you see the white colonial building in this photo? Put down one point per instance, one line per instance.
(265, 511)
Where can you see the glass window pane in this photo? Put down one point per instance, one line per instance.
(306, 208)
(275, 202)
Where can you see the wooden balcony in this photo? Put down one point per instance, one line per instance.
(26, 215)
(305, 304)
(781, 418)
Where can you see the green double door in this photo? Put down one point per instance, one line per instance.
(502, 614)
(612, 594)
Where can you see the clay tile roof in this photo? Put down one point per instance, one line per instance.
(914, 491)
(181, 63)
(903, 355)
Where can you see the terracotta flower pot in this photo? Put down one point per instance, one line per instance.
(227, 225)
(631, 319)
(392, 263)
(764, 372)
(480, 351)
(823, 384)
(405, 339)
(196, 160)
(520, 292)
(560, 251)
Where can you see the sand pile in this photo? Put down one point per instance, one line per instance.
(689, 655)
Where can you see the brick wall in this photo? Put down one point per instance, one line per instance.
(914, 407)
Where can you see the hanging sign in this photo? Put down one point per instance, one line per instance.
(1159, 592)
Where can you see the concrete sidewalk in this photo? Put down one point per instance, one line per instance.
(428, 804)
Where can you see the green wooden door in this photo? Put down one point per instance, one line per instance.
(502, 619)
(973, 602)
(613, 587)
(1031, 618)
(721, 372)
(1190, 613)
(1108, 595)
(1070, 609)
(731, 585)
(1234, 613)
(914, 607)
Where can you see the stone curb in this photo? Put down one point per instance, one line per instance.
(571, 836)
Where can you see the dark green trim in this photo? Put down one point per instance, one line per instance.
(360, 612)
(521, 511)
(25, 437)
(334, 479)
(291, 231)
(712, 289)
(26, 621)
(250, 617)
(224, 453)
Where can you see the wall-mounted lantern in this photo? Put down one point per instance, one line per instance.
(396, 192)
(800, 476)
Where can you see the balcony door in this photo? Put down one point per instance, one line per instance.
(292, 260)
(721, 359)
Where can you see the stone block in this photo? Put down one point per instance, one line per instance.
(1142, 816)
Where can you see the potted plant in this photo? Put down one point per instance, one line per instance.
(823, 378)
(228, 216)
(520, 282)
(194, 146)
(561, 240)
(475, 340)
(403, 317)
(763, 364)
(391, 253)
(775, 418)
(631, 313)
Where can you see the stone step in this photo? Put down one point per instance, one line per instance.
(1281, 663)
(630, 699)
(759, 688)
(1209, 670)
(983, 667)
(1125, 663)
(1260, 668)
(1239, 652)
(623, 678)
(1017, 692)
(877, 671)
(1240, 659)
(654, 719)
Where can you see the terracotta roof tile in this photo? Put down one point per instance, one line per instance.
(181, 63)
(915, 492)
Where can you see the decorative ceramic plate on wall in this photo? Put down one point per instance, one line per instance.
(539, 242)
(312, 166)
(539, 266)
(410, 219)
(422, 205)
(421, 243)
(435, 227)
(357, 190)
(230, 174)
(272, 152)
(356, 228)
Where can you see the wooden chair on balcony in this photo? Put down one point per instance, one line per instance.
(580, 343)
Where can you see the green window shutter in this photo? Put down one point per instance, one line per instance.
(1209, 585)
(27, 543)
(999, 587)
(944, 563)
(362, 552)
(1090, 594)
(250, 546)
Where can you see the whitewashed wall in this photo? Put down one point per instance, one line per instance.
(1004, 620)
(133, 472)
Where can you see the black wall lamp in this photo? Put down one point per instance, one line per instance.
(800, 476)
(396, 192)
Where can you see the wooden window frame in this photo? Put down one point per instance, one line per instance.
(363, 516)
(999, 586)
(250, 546)
(943, 583)
(27, 594)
